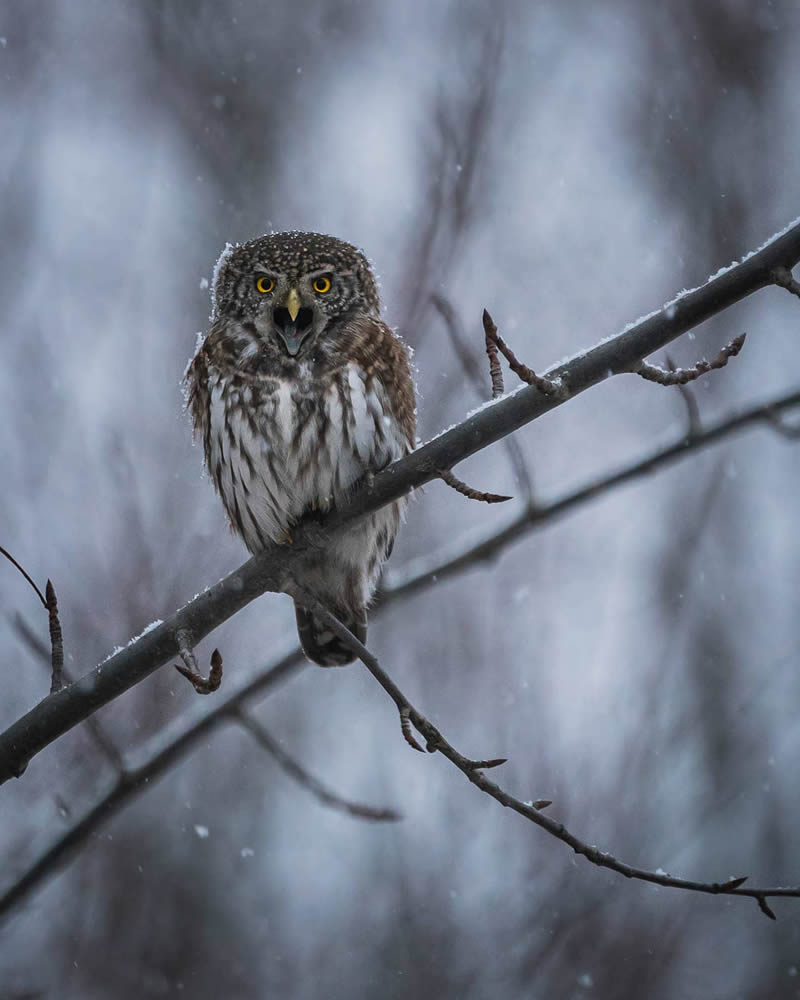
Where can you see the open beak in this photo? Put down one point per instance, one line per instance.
(293, 322)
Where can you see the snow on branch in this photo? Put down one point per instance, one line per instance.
(273, 568)
(680, 376)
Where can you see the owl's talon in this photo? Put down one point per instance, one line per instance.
(190, 670)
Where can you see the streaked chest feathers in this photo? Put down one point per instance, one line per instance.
(277, 449)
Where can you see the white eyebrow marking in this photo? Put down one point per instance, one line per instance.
(328, 269)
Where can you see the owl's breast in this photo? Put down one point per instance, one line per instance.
(276, 447)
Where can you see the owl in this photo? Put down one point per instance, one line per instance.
(299, 392)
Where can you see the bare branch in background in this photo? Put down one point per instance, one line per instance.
(780, 424)
(680, 376)
(455, 172)
(690, 402)
(530, 810)
(446, 475)
(308, 781)
(271, 569)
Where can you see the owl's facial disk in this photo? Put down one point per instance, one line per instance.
(292, 313)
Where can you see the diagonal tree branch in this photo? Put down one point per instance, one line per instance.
(530, 810)
(320, 792)
(271, 569)
(134, 779)
(418, 577)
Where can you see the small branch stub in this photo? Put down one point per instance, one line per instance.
(484, 765)
(548, 387)
(495, 371)
(765, 908)
(784, 277)
(56, 639)
(680, 376)
(447, 476)
(405, 728)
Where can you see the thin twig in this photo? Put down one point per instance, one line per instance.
(532, 811)
(50, 603)
(308, 781)
(783, 276)
(190, 670)
(447, 476)
(475, 373)
(680, 376)
(547, 386)
(12, 560)
(490, 340)
(434, 739)
(56, 640)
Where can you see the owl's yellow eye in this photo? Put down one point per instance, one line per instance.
(322, 285)
(264, 285)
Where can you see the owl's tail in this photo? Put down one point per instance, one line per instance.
(320, 645)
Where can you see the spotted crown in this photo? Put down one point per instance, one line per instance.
(294, 254)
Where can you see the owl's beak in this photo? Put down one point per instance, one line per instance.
(293, 322)
(293, 303)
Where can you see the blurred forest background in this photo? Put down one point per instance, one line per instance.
(569, 166)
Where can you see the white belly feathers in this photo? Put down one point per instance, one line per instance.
(274, 455)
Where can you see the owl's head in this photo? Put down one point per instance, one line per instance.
(292, 289)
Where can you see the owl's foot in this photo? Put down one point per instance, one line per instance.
(190, 670)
